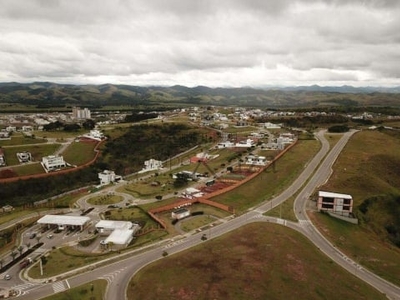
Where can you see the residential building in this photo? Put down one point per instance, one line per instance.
(78, 113)
(107, 177)
(151, 165)
(256, 160)
(53, 162)
(341, 204)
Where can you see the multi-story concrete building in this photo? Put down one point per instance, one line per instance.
(341, 204)
(78, 113)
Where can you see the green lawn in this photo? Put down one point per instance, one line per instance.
(94, 290)
(30, 169)
(195, 222)
(105, 199)
(79, 153)
(65, 259)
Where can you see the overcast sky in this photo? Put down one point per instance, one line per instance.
(195, 42)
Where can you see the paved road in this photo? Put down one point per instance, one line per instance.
(118, 274)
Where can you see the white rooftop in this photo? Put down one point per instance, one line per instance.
(334, 195)
(110, 224)
(120, 236)
(63, 220)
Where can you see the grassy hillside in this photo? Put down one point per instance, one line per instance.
(258, 261)
(45, 95)
(369, 170)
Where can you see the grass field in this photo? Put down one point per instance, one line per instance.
(361, 244)
(258, 261)
(37, 152)
(19, 139)
(133, 214)
(65, 259)
(79, 153)
(374, 172)
(105, 199)
(195, 222)
(94, 290)
(59, 134)
(274, 180)
(30, 169)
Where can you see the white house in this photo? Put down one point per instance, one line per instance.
(247, 143)
(226, 144)
(53, 162)
(256, 160)
(151, 165)
(94, 135)
(106, 177)
(27, 128)
(269, 125)
(180, 213)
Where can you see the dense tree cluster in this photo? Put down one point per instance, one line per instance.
(137, 117)
(390, 205)
(126, 154)
(28, 191)
(69, 127)
(338, 128)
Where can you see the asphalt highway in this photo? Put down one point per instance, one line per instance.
(315, 173)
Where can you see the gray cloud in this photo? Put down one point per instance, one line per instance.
(224, 42)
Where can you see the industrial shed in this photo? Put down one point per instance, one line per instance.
(120, 232)
(64, 221)
(120, 237)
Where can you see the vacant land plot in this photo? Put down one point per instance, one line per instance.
(273, 180)
(259, 261)
(362, 245)
(79, 153)
(19, 139)
(94, 290)
(29, 169)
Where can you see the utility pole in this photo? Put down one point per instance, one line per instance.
(41, 266)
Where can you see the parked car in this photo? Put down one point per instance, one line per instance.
(49, 236)
(7, 277)
(32, 236)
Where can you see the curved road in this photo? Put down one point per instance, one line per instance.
(118, 274)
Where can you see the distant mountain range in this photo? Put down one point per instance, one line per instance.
(48, 94)
(342, 89)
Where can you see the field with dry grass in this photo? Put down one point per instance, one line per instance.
(258, 261)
